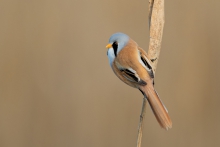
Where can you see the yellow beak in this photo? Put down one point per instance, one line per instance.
(109, 46)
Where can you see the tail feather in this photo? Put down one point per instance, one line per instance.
(158, 107)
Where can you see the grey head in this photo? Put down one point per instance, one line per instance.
(120, 38)
(116, 43)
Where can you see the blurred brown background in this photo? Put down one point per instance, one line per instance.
(57, 89)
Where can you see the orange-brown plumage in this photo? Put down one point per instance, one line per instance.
(130, 63)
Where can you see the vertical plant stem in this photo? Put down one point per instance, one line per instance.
(156, 20)
(140, 127)
(156, 24)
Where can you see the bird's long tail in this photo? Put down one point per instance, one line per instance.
(157, 107)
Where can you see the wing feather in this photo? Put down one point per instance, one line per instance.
(146, 62)
(130, 75)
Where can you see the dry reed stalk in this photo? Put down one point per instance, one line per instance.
(156, 24)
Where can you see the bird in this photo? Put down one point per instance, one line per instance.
(131, 64)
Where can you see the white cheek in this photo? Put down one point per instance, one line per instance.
(111, 56)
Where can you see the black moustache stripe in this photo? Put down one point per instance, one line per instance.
(115, 47)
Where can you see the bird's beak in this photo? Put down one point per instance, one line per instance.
(109, 46)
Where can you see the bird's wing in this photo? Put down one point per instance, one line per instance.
(130, 75)
(146, 61)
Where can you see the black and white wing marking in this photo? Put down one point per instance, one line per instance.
(146, 63)
(132, 76)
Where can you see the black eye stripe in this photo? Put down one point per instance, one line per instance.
(115, 47)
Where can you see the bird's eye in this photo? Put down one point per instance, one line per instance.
(115, 47)
(115, 42)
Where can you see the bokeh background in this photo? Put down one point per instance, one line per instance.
(57, 89)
